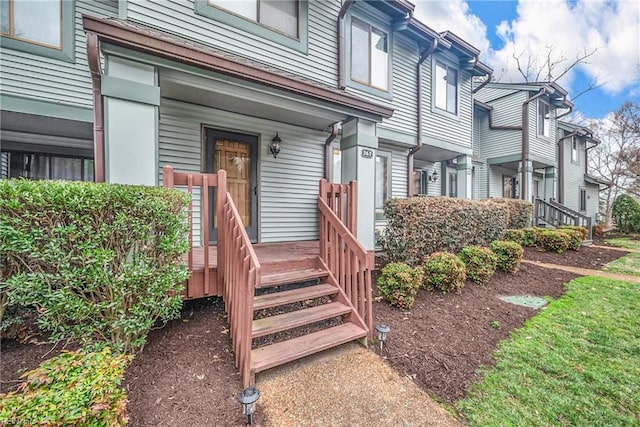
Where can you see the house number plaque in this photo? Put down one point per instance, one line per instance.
(367, 154)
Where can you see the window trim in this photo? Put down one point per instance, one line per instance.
(575, 160)
(202, 7)
(379, 213)
(538, 116)
(66, 52)
(381, 26)
(449, 64)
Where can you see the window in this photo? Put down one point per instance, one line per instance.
(583, 200)
(536, 189)
(446, 88)
(544, 119)
(420, 179)
(453, 184)
(574, 150)
(43, 27)
(281, 21)
(45, 166)
(383, 182)
(280, 15)
(369, 55)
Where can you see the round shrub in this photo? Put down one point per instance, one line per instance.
(575, 237)
(509, 255)
(517, 236)
(554, 240)
(625, 212)
(481, 263)
(445, 272)
(399, 283)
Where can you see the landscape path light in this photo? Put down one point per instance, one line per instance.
(383, 331)
(248, 398)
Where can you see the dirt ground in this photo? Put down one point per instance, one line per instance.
(186, 374)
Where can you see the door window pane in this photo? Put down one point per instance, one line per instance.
(233, 157)
(382, 182)
(336, 173)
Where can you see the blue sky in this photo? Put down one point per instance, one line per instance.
(532, 28)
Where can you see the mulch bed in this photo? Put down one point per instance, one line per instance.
(186, 373)
(586, 257)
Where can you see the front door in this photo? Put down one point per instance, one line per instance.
(236, 154)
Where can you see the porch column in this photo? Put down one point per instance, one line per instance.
(550, 183)
(131, 101)
(464, 176)
(359, 145)
(528, 190)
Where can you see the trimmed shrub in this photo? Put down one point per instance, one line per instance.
(516, 236)
(553, 240)
(575, 237)
(481, 263)
(101, 263)
(625, 212)
(72, 389)
(399, 283)
(520, 212)
(445, 272)
(597, 231)
(531, 236)
(508, 253)
(583, 230)
(419, 226)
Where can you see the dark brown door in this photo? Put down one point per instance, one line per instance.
(236, 154)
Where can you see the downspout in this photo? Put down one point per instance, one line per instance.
(335, 129)
(484, 83)
(423, 56)
(566, 113)
(561, 164)
(525, 140)
(93, 57)
(341, 40)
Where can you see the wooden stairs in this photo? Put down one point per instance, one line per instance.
(299, 310)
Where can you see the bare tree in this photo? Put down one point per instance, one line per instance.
(616, 160)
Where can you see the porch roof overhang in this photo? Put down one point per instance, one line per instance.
(157, 43)
(596, 181)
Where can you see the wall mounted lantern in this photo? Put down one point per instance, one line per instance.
(274, 147)
(383, 331)
(434, 176)
(248, 398)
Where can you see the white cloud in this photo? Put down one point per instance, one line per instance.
(567, 29)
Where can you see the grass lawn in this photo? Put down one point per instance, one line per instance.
(624, 242)
(576, 363)
(628, 264)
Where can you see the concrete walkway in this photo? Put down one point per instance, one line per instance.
(346, 386)
(616, 248)
(586, 271)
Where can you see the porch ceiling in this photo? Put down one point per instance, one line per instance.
(429, 153)
(247, 99)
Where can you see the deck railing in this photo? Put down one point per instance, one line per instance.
(555, 214)
(347, 260)
(341, 198)
(241, 277)
(204, 182)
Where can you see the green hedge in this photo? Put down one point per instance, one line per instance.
(419, 226)
(520, 212)
(72, 389)
(101, 263)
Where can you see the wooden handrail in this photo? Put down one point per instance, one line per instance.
(347, 260)
(241, 277)
(341, 198)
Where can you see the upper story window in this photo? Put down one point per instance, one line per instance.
(280, 15)
(445, 87)
(574, 149)
(369, 55)
(544, 119)
(43, 27)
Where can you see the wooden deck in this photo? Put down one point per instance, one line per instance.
(279, 262)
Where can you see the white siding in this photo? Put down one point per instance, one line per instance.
(287, 186)
(31, 76)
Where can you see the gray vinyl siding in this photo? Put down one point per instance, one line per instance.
(442, 127)
(480, 190)
(179, 17)
(538, 144)
(45, 79)
(573, 174)
(496, 142)
(287, 186)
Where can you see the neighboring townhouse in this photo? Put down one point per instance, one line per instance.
(577, 190)
(516, 125)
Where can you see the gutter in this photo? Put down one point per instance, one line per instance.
(484, 83)
(335, 130)
(423, 56)
(525, 138)
(93, 57)
(341, 41)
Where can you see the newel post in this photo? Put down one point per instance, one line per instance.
(167, 176)
(352, 208)
(221, 193)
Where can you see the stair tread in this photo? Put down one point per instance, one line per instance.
(287, 297)
(291, 276)
(293, 319)
(277, 354)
